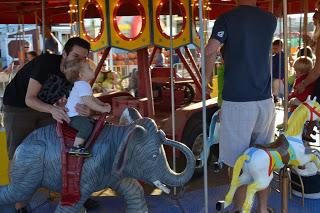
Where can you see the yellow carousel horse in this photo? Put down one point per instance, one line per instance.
(258, 163)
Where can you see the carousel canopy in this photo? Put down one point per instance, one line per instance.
(27, 11)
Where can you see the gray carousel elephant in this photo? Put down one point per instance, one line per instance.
(120, 155)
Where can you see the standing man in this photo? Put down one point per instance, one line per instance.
(32, 98)
(51, 45)
(247, 112)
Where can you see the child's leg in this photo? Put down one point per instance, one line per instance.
(84, 127)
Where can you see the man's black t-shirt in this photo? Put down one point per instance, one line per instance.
(46, 70)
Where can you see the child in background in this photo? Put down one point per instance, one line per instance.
(79, 72)
(219, 68)
(302, 66)
(277, 70)
(220, 73)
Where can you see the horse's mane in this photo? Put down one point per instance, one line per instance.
(297, 120)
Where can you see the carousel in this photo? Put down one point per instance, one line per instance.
(153, 143)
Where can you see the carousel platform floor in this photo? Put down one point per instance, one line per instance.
(189, 202)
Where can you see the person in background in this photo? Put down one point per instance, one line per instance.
(9, 68)
(277, 70)
(175, 58)
(302, 66)
(51, 45)
(246, 33)
(220, 73)
(307, 40)
(300, 52)
(80, 73)
(160, 59)
(314, 74)
(31, 55)
(133, 82)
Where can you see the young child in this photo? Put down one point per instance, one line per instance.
(277, 70)
(79, 72)
(302, 66)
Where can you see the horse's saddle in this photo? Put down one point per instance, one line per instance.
(281, 145)
(72, 165)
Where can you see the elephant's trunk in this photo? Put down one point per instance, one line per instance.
(178, 179)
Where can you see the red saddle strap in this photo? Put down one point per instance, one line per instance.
(72, 165)
(312, 110)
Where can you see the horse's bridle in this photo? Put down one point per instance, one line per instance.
(312, 110)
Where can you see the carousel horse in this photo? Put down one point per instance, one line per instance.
(213, 137)
(258, 163)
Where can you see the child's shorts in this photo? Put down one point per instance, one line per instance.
(83, 124)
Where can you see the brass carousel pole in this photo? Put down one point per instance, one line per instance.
(43, 25)
(37, 33)
(172, 82)
(305, 23)
(284, 176)
(204, 112)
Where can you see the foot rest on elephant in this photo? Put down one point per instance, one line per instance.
(72, 165)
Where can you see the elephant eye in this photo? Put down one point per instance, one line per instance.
(154, 155)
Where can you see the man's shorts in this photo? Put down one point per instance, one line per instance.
(244, 124)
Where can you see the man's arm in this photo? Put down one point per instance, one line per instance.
(210, 58)
(32, 100)
(314, 74)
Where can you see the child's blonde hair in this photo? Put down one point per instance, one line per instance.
(303, 64)
(73, 68)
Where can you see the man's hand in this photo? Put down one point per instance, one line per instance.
(83, 110)
(59, 114)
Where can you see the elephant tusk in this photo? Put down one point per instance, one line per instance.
(161, 186)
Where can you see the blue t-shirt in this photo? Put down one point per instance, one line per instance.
(277, 68)
(246, 33)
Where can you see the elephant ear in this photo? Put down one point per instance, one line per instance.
(135, 133)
